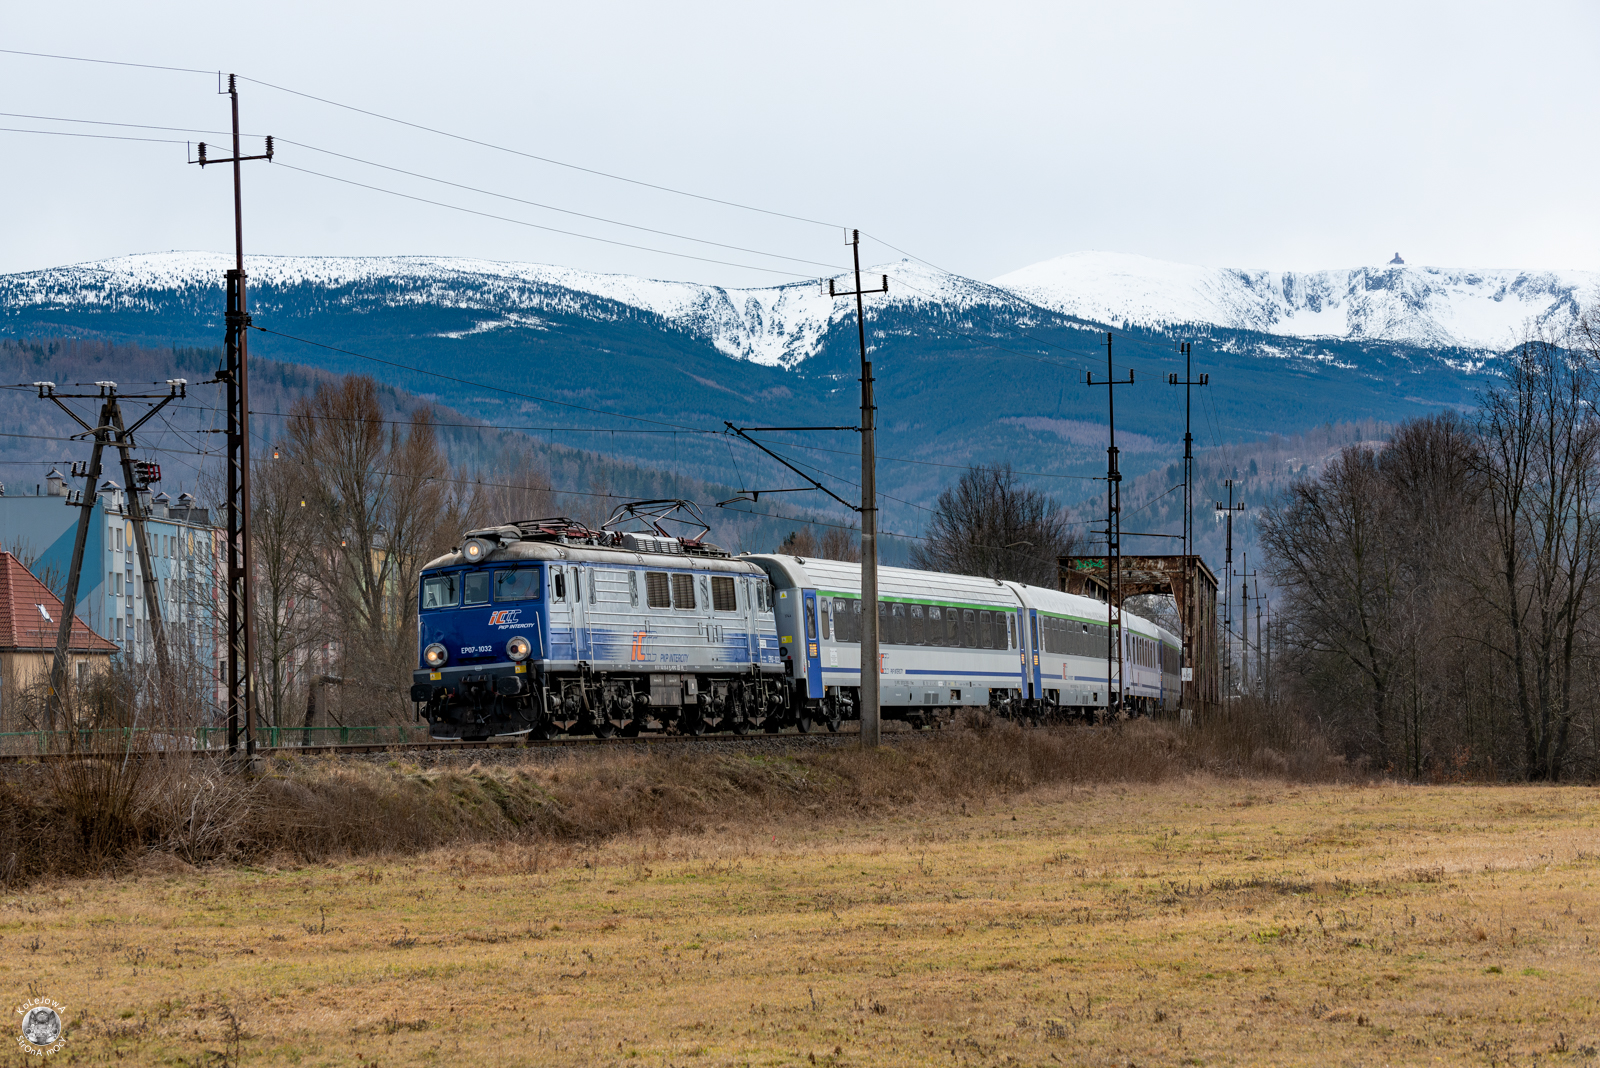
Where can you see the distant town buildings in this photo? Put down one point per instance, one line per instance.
(30, 621)
(187, 555)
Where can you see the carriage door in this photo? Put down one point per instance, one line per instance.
(579, 589)
(813, 647)
(1036, 685)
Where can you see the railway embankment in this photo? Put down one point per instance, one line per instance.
(88, 816)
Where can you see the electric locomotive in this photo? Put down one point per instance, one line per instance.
(547, 626)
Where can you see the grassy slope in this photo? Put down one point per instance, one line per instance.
(1198, 921)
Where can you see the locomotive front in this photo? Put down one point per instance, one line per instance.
(481, 631)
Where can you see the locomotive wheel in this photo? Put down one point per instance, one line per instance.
(772, 724)
(604, 728)
(802, 723)
(739, 726)
(630, 729)
(833, 721)
(691, 723)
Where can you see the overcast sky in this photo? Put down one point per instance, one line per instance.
(982, 137)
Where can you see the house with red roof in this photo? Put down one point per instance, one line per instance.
(30, 620)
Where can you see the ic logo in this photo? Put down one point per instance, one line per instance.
(504, 617)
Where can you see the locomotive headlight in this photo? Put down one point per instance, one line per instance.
(435, 655)
(518, 648)
(475, 549)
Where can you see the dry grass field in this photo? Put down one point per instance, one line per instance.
(1202, 921)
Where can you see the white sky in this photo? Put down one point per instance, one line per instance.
(982, 137)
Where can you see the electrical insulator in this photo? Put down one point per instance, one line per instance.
(269, 146)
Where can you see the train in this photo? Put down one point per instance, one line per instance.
(547, 626)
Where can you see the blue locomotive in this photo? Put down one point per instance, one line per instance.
(546, 626)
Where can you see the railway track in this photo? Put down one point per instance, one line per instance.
(757, 741)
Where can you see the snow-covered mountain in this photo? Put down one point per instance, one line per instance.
(774, 326)
(1430, 306)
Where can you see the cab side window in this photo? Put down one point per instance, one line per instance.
(683, 592)
(558, 584)
(519, 584)
(657, 590)
(723, 597)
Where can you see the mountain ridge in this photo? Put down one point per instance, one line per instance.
(1420, 305)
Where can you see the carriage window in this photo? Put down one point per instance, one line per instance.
(900, 637)
(475, 586)
(883, 623)
(935, 631)
(577, 586)
(825, 617)
(952, 627)
(811, 620)
(657, 592)
(918, 633)
(683, 592)
(439, 591)
(969, 628)
(985, 631)
(1033, 626)
(521, 584)
(723, 597)
(1011, 631)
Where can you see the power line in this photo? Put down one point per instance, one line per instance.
(129, 125)
(552, 207)
(106, 62)
(481, 385)
(544, 159)
(538, 226)
(97, 137)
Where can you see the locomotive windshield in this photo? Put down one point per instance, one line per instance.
(475, 586)
(439, 591)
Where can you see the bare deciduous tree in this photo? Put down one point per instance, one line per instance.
(1540, 464)
(991, 523)
(380, 505)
